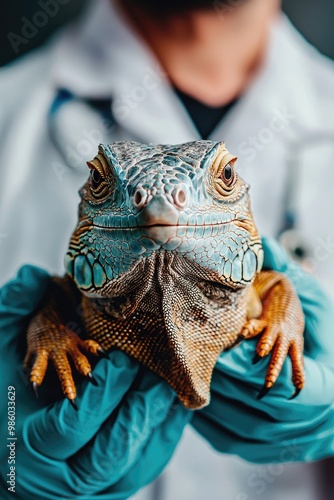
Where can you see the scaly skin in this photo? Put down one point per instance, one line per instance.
(165, 264)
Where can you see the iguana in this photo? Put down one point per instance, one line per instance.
(165, 264)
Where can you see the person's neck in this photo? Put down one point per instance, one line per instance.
(194, 50)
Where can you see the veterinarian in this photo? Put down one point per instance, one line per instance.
(185, 70)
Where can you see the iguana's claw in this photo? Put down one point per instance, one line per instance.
(295, 394)
(264, 391)
(73, 403)
(102, 353)
(256, 359)
(92, 379)
(35, 387)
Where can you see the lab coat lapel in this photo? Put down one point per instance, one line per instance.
(39, 205)
(284, 108)
(107, 59)
(265, 124)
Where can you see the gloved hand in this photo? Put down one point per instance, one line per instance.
(120, 439)
(275, 429)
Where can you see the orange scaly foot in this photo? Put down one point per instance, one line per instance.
(282, 326)
(49, 339)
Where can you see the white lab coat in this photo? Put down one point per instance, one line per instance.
(292, 99)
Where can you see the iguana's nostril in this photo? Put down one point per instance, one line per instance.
(180, 197)
(140, 198)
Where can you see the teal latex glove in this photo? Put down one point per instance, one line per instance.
(120, 439)
(276, 429)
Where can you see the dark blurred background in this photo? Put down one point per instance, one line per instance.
(314, 18)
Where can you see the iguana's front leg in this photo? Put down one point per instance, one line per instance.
(274, 310)
(51, 336)
(282, 326)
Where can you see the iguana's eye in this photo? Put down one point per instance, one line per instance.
(98, 185)
(228, 175)
(224, 180)
(99, 180)
(96, 178)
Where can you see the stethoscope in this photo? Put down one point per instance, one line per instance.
(76, 126)
(82, 117)
(290, 237)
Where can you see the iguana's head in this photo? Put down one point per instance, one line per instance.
(185, 199)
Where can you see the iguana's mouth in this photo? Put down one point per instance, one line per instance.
(151, 226)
